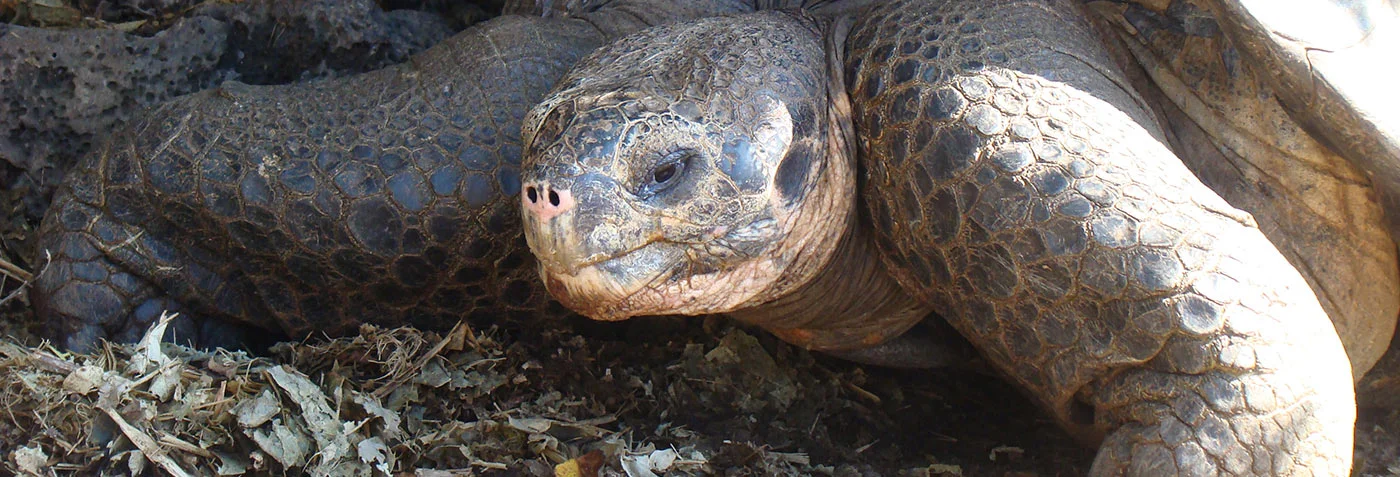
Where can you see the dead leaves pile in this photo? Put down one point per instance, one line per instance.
(384, 402)
(186, 412)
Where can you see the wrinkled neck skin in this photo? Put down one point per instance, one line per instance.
(849, 303)
(841, 298)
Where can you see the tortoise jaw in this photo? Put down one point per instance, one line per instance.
(616, 287)
(638, 285)
(573, 257)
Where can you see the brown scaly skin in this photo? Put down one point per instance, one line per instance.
(122, 247)
(385, 198)
(1068, 243)
(1331, 64)
(1230, 128)
(1013, 185)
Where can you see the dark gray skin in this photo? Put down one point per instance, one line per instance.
(984, 160)
(388, 197)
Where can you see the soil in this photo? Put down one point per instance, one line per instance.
(572, 396)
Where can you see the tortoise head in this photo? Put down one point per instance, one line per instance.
(686, 170)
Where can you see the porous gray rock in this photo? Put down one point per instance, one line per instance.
(63, 89)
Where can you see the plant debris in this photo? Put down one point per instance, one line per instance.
(391, 401)
(702, 397)
(653, 396)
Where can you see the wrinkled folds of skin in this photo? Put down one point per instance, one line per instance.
(1333, 66)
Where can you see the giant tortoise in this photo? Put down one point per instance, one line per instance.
(1019, 167)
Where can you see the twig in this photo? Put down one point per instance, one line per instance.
(177, 443)
(148, 446)
(490, 465)
(8, 269)
(862, 393)
(14, 271)
(6, 299)
(52, 363)
(40, 359)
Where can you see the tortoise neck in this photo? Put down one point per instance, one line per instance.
(844, 299)
(852, 302)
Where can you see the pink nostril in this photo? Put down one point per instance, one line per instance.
(546, 202)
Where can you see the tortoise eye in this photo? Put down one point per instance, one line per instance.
(664, 173)
(667, 172)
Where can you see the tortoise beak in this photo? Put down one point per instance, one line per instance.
(581, 222)
(597, 246)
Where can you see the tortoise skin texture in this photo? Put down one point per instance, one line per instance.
(1016, 186)
(698, 243)
(1232, 129)
(1013, 181)
(387, 198)
(1330, 63)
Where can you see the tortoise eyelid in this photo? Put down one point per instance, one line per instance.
(672, 165)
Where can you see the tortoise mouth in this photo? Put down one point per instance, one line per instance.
(617, 286)
(556, 266)
(662, 278)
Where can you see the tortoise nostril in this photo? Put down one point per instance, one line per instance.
(544, 202)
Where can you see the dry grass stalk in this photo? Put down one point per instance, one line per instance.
(149, 447)
(15, 271)
(10, 271)
(403, 375)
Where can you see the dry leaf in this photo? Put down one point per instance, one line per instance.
(586, 465)
(257, 411)
(83, 380)
(30, 460)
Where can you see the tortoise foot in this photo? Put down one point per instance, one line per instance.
(91, 291)
(1217, 424)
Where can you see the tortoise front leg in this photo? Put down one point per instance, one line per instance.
(1017, 187)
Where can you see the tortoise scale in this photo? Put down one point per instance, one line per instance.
(834, 177)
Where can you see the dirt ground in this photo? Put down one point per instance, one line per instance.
(645, 397)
